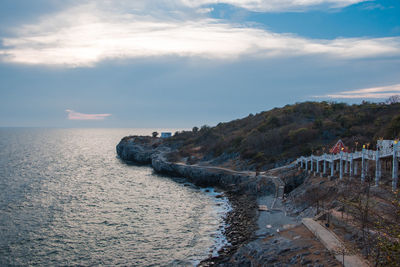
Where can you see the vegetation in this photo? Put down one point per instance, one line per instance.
(388, 243)
(364, 217)
(273, 137)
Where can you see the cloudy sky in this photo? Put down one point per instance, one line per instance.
(181, 63)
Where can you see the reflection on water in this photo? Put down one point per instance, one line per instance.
(65, 199)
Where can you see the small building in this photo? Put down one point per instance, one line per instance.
(166, 134)
(339, 146)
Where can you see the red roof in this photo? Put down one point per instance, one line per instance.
(338, 147)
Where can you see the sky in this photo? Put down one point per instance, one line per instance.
(185, 63)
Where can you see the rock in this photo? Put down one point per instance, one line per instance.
(272, 259)
(294, 259)
(305, 261)
(282, 251)
(295, 248)
(348, 237)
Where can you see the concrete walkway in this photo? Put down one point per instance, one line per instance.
(279, 184)
(333, 244)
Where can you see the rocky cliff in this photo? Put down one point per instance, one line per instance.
(136, 150)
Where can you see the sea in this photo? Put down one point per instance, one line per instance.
(67, 199)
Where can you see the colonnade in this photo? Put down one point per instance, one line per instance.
(354, 164)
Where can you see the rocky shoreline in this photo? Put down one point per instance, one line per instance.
(241, 225)
(250, 242)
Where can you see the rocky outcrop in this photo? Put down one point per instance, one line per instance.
(155, 155)
(129, 150)
(200, 175)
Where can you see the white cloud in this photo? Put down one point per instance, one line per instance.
(276, 5)
(73, 115)
(157, 6)
(205, 10)
(373, 93)
(86, 35)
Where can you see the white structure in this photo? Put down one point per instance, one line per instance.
(386, 149)
(166, 134)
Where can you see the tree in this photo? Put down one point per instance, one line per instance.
(388, 242)
(393, 99)
(154, 134)
(205, 128)
(356, 200)
(195, 129)
(393, 129)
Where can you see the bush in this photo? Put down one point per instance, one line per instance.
(393, 130)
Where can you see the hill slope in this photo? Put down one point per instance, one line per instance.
(274, 137)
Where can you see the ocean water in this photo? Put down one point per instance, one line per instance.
(66, 199)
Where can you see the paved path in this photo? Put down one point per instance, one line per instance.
(333, 244)
(279, 184)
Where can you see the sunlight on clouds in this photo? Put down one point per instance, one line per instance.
(72, 115)
(84, 36)
(375, 92)
(275, 5)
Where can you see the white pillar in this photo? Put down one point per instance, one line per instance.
(311, 168)
(332, 167)
(346, 164)
(395, 168)
(324, 163)
(377, 168)
(317, 166)
(306, 164)
(341, 166)
(351, 165)
(355, 167)
(363, 165)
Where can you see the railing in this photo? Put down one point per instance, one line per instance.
(386, 149)
(368, 154)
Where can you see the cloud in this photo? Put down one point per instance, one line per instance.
(205, 10)
(374, 93)
(86, 35)
(276, 5)
(372, 6)
(72, 115)
(184, 6)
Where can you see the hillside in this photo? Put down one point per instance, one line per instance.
(275, 137)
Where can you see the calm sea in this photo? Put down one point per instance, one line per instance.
(66, 199)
